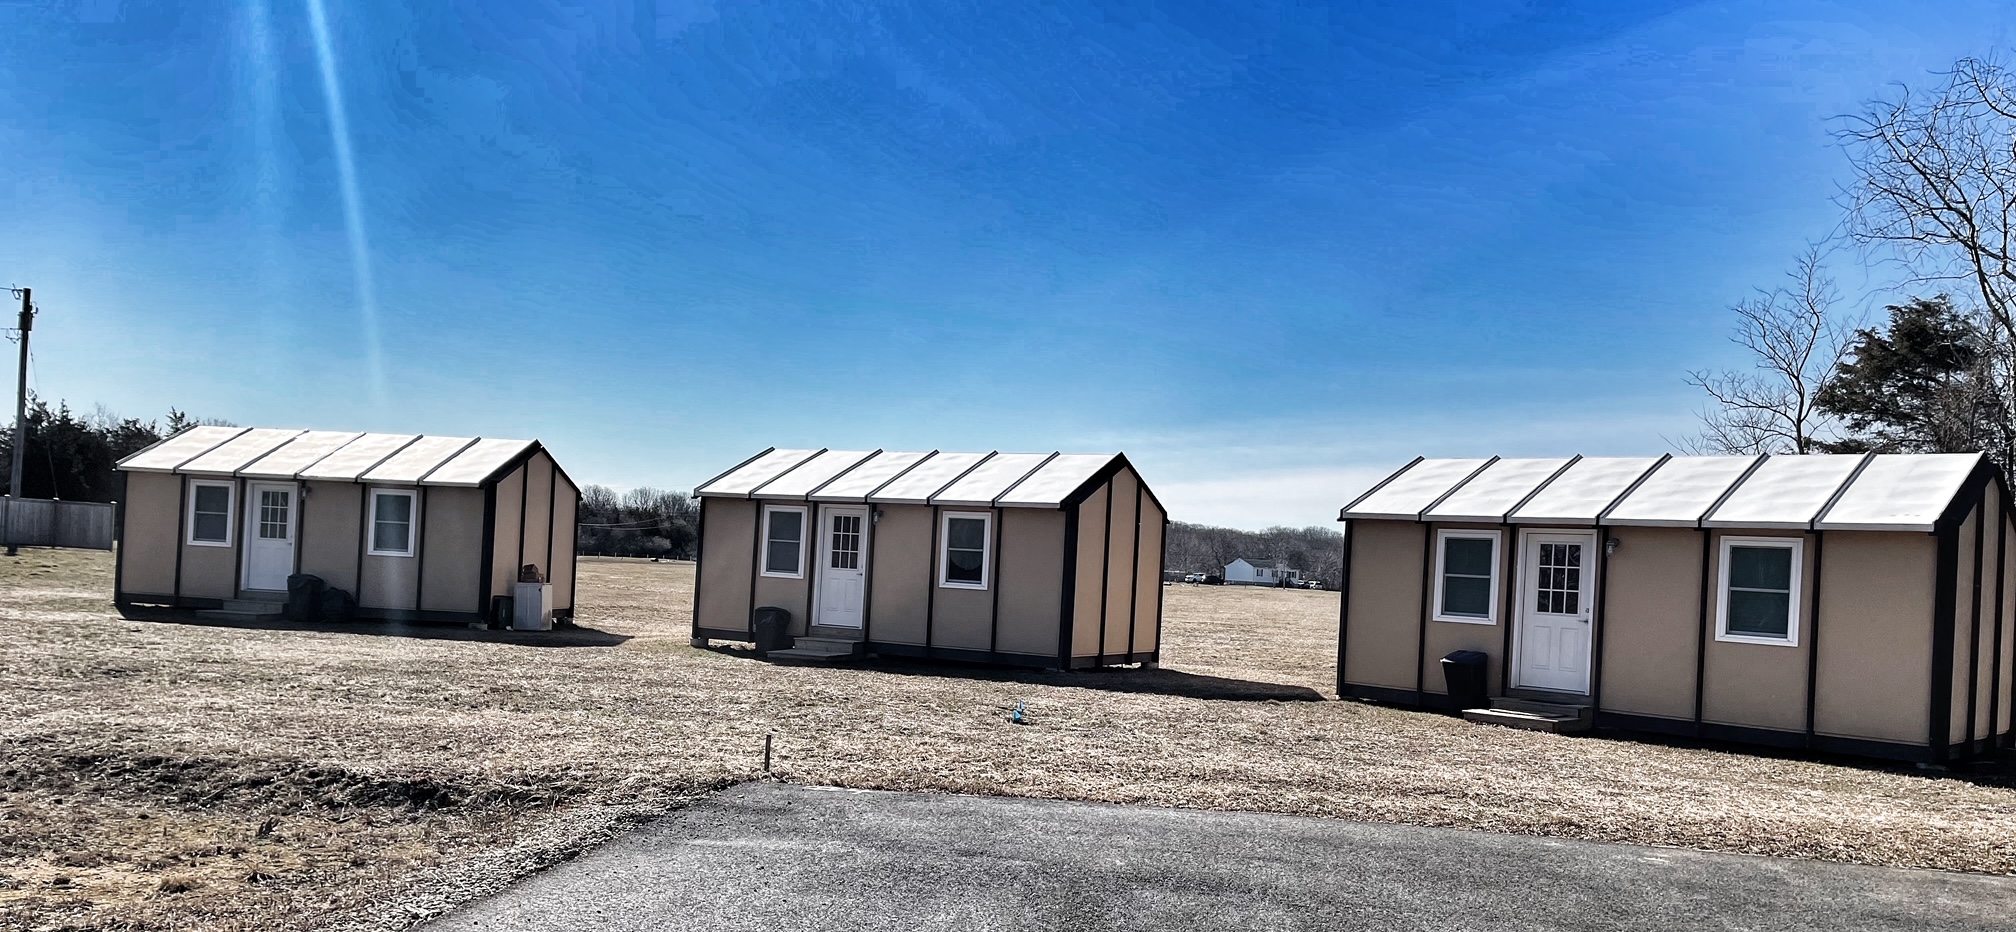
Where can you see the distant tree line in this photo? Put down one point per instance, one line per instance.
(70, 456)
(1200, 548)
(643, 522)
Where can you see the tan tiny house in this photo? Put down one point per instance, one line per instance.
(1856, 604)
(414, 527)
(1029, 559)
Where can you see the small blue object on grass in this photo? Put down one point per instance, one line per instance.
(1016, 717)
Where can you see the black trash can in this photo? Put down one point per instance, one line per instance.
(304, 598)
(770, 628)
(1466, 673)
(335, 605)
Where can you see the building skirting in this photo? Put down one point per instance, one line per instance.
(1687, 728)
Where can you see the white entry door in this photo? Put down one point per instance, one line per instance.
(843, 566)
(269, 535)
(1556, 573)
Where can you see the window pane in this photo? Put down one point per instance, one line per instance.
(211, 526)
(1466, 595)
(390, 536)
(395, 508)
(1760, 613)
(966, 533)
(962, 566)
(1466, 556)
(786, 526)
(213, 498)
(1760, 568)
(780, 552)
(781, 557)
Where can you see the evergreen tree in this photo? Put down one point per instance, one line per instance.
(1925, 383)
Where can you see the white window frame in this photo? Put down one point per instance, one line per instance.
(230, 512)
(412, 497)
(986, 549)
(804, 533)
(1497, 539)
(1791, 639)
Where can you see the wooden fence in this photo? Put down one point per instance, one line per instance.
(41, 522)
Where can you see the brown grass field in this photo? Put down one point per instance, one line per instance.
(160, 774)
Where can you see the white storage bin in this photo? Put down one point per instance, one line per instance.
(532, 606)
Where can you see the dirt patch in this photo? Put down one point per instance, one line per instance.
(164, 774)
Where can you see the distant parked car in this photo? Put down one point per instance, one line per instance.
(1193, 577)
(1312, 584)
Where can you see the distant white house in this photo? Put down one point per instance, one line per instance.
(1259, 572)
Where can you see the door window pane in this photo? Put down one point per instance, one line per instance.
(273, 507)
(846, 542)
(1559, 579)
(787, 534)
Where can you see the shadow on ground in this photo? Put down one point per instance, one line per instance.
(426, 630)
(1999, 771)
(1161, 682)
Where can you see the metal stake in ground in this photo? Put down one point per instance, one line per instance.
(766, 753)
(18, 454)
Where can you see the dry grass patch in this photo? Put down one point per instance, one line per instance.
(165, 775)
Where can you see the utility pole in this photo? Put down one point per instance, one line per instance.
(18, 455)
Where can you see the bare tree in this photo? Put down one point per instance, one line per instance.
(1936, 182)
(1792, 334)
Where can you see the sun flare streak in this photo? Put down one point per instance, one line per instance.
(353, 210)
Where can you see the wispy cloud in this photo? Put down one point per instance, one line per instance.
(353, 210)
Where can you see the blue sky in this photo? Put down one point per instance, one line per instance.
(1268, 250)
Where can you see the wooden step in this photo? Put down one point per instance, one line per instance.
(818, 649)
(1530, 721)
(1576, 710)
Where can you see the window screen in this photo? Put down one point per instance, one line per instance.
(212, 514)
(1466, 576)
(966, 550)
(781, 551)
(392, 523)
(1760, 591)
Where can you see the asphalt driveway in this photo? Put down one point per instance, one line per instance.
(779, 858)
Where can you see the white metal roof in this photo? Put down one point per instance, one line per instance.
(1021, 480)
(1490, 494)
(1680, 491)
(1905, 493)
(1410, 491)
(917, 486)
(298, 454)
(1784, 492)
(179, 449)
(990, 480)
(855, 484)
(1584, 490)
(238, 452)
(1886, 492)
(813, 473)
(751, 475)
(357, 457)
(1049, 485)
(415, 460)
(328, 456)
(477, 462)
